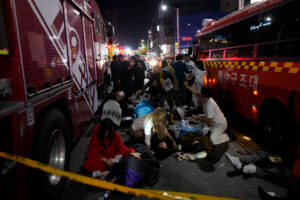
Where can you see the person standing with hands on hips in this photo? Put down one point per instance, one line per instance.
(213, 116)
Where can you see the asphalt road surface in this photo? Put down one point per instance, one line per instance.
(204, 176)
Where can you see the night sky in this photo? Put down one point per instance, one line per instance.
(134, 18)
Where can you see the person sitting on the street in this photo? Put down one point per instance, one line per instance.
(118, 95)
(106, 144)
(213, 115)
(162, 87)
(156, 136)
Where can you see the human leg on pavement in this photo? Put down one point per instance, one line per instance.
(217, 135)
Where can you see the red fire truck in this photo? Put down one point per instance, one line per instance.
(51, 58)
(253, 56)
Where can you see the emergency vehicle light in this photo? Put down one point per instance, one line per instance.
(254, 109)
(255, 92)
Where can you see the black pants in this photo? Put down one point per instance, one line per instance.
(138, 84)
(179, 98)
(169, 97)
(162, 153)
(128, 87)
(188, 94)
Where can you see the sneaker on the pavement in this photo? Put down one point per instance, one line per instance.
(235, 161)
(249, 169)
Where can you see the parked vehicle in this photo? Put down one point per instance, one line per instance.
(51, 58)
(252, 57)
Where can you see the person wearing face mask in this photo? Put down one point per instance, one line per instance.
(118, 95)
(213, 116)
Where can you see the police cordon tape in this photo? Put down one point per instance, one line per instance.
(157, 194)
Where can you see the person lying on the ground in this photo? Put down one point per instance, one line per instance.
(293, 190)
(260, 164)
(152, 127)
(194, 142)
(213, 116)
(106, 143)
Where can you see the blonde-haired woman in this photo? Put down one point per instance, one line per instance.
(152, 126)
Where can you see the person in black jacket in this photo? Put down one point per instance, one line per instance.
(115, 68)
(162, 87)
(138, 69)
(127, 76)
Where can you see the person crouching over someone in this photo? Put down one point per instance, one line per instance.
(152, 127)
(213, 115)
(106, 144)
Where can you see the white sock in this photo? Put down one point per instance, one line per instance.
(235, 161)
(249, 169)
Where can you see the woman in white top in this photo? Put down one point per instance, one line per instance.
(152, 127)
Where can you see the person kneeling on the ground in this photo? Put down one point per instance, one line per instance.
(152, 127)
(213, 117)
(106, 143)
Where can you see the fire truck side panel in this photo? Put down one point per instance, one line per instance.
(42, 36)
(92, 79)
(51, 65)
(10, 66)
(253, 83)
(99, 44)
(83, 103)
(88, 29)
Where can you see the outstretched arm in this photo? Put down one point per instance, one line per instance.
(192, 90)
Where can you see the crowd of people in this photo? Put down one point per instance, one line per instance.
(174, 84)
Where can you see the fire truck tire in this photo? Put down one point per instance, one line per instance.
(271, 126)
(51, 146)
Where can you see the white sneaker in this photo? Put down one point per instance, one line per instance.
(180, 112)
(249, 169)
(202, 154)
(185, 106)
(234, 160)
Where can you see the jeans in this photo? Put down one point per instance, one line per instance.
(169, 97)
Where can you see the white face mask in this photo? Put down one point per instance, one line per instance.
(121, 94)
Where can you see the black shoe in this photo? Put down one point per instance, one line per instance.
(265, 196)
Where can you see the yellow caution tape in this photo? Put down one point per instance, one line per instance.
(158, 194)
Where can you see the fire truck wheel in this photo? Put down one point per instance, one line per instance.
(271, 128)
(52, 147)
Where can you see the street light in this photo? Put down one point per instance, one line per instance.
(164, 8)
